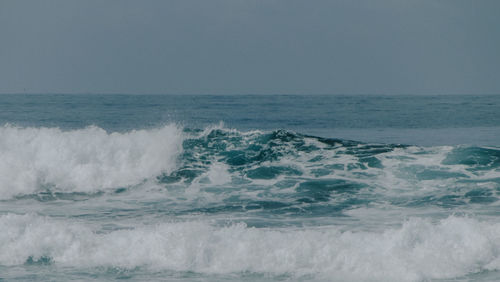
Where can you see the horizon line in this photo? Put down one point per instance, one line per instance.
(247, 94)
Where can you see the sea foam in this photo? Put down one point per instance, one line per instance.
(418, 250)
(83, 160)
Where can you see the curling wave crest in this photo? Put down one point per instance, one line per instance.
(83, 160)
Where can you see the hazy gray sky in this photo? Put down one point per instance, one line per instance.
(250, 46)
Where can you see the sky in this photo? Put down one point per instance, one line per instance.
(250, 46)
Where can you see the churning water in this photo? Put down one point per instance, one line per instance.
(254, 188)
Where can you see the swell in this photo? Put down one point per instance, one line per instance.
(418, 250)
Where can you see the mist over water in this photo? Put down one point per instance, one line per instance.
(157, 187)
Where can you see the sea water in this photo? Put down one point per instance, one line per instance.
(249, 188)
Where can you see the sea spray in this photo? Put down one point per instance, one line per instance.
(417, 250)
(83, 160)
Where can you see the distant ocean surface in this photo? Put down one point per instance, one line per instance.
(249, 188)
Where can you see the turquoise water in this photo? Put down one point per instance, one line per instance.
(249, 188)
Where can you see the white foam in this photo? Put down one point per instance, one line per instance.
(418, 250)
(83, 160)
(218, 174)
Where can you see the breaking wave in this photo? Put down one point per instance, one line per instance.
(84, 160)
(418, 250)
(221, 201)
(289, 170)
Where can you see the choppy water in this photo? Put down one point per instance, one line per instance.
(158, 188)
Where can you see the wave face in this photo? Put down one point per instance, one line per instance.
(222, 204)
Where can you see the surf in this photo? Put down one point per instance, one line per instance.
(83, 160)
(420, 249)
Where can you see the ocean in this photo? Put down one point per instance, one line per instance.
(249, 187)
